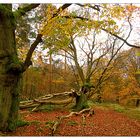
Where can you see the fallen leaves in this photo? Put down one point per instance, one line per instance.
(102, 123)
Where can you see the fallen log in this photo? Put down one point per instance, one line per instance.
(28, 105)
(49, 96)
(26, 102)
(39, 102)
(53, 102)
(57, 94)
(55, 99)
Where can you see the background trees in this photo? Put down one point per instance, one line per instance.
(96, 70)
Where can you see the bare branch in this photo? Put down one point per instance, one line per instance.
(28, 62)
(63, 7)
(80, 70)
(82, 48)
(96, 60)
(124, 40)
(113, 55)
(23, 10)
(113, 34)
(95, 7)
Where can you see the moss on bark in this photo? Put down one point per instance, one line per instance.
(9, 74)
(81, 102)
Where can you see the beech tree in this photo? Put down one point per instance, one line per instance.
(92, 73)
(11, 69)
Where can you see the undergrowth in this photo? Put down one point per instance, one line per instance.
(21, 123)
(130, 112)
(72, 123)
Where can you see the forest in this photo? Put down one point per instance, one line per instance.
(70, 69)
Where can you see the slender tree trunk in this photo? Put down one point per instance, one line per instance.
(137, 52)
(65, 72)
(50, 75)
(9, 70)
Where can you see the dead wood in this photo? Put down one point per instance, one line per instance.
(56, 99)
(90, 112)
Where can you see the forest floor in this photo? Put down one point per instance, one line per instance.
(106, 121)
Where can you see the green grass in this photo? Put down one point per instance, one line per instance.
(133, 113)
(49, 124)
(44, 108)
(115, 107)
(130, 112)
(72, 123)
(21, 123)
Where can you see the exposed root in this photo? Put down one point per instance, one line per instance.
(61, 118)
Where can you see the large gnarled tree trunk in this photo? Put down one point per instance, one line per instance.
(82, 98)
(9, 70)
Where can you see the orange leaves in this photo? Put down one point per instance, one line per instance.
(131, 8)
(130, 91)
(51, 9)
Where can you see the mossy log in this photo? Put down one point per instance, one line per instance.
(56, 99)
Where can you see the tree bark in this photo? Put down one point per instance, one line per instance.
(10, 69)
(82, 98)
(81, 102)
(137, 74)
